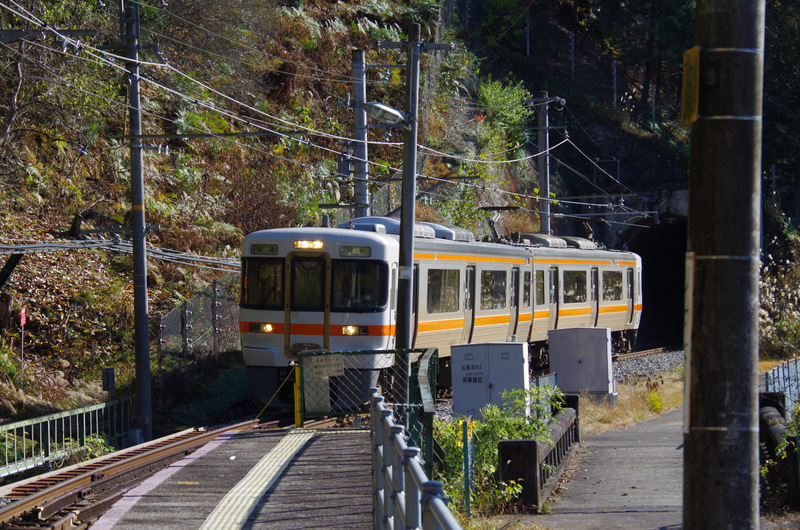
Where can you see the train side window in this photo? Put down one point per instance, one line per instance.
(444, 287)
(612, 285)
(574, 287)
(526, 289)
(263, 283)
(540, 287)
(493, 289)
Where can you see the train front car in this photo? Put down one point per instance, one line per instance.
(313, 289)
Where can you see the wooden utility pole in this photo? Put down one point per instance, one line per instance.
(721, 333)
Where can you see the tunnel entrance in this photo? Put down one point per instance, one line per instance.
(663, 251)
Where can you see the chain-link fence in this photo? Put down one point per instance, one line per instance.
(208, 323)
(339, 383)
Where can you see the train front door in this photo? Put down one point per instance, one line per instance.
(307, 310)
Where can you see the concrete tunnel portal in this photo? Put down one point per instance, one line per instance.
(663, 250)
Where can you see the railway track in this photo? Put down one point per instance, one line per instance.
(77, 496)
(73, 498)
(640, 353)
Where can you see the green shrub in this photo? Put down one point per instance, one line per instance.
(488, 494)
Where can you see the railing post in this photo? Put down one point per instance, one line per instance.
(44, 433)
(298, 396)
(81, 421)
(412, 491)
(398, 477)
(467, 467)
(386, 467)
(377, 478)
(430, 491)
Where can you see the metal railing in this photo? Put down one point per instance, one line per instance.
(785, 378)
(402, 494)
(207, 323)
(38, 441)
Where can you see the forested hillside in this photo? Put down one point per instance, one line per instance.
(283, 69)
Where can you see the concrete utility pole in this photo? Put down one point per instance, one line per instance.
(544, 158)
(405, 284)
(721, 332)
(544, 163)
(143, 413)
(405, 287)
(361, 197)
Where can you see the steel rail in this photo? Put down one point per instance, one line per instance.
(35, 497)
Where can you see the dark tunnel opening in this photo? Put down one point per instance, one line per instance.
(663, 251)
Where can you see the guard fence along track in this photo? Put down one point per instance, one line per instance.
(78, 495)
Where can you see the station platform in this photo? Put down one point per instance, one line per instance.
(294, 479)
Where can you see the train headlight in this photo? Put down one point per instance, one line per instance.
(350, 331)
(309, 245)
(259, 327)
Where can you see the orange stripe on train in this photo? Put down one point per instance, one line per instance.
(441, 325)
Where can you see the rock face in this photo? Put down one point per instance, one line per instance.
(16, 404)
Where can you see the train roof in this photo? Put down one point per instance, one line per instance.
(424, 230)
(437, 238)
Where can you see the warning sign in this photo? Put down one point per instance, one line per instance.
(690, 97)
(321, 366)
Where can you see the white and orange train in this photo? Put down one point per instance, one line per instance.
(336, 289)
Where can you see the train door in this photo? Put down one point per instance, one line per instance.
(554, 295)
(631, 295)
(414, 308)
(393, 302)
(594, 296)
(514, 304)
(469, 304)
(307, 311)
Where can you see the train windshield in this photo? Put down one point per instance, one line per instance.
(359, 285)
(308, 284)
(262, 284)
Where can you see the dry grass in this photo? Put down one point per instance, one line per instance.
(765, 366)
(637, 401)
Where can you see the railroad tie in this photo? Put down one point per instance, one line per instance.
(233, 510)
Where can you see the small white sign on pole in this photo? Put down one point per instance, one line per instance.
(322, 366)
